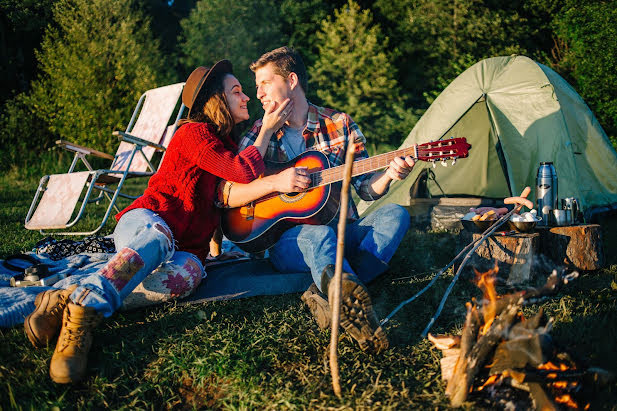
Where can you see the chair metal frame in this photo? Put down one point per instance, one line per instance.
(99, 179)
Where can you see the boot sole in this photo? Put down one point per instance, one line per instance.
(359, 319)
(319, 309)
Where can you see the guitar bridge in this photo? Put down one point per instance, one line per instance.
(250, 211)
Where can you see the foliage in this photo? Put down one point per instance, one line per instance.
(353, 74)
(94, 67)
(238, 31)
(301, 21)
(438, 39)
(589, 55)
(22, 23)
(22, 133)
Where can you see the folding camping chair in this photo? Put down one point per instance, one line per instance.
(58, 195)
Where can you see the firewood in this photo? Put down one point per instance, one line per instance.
(458, 386)
(468, 339)
(448, 363)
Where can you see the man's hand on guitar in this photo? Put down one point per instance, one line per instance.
(292, 180)
(400, 167)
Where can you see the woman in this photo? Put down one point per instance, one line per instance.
(176, 212)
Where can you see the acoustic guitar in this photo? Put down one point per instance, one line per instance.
(259, 224)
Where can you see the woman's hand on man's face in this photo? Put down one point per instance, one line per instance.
(276, 115)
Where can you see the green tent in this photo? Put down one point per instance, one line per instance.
(515, 113)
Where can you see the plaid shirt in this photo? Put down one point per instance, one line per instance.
(327, 131)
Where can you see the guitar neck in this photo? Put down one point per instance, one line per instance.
(368, 165)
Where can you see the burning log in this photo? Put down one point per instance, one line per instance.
(520, 352)
(460, 383)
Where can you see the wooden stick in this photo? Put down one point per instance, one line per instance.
(338, 271)
(485, 235)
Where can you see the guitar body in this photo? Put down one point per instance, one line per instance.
(257, 227)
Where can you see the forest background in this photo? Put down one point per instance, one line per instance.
(74, 69)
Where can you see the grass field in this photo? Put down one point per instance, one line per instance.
(268, 353)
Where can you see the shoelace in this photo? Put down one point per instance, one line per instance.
(77, 334)
(58, 308)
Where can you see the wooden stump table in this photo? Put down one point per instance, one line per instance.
(520, 257)
(578, 247)
(514, 255)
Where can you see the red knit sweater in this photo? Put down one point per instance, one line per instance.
(183, 190)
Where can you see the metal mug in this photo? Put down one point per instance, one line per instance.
(559, 217)
(571, 206)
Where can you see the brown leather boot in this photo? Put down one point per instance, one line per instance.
(318, 306)
(68, 364)
(358, 318)
(44, 323)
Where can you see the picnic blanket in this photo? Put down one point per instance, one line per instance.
(240, 278)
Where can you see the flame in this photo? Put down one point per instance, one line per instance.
(567, 400)
(489, 381)
(486, 282)
(565, 384)
(552, 366)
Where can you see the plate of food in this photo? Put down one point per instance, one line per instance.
(478, 220)
(525, 222)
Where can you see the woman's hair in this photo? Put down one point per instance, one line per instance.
(210, 106)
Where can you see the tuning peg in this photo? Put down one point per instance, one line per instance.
(434, 165)
(453, 160)
(444, 163)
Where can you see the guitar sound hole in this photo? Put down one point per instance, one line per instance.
(291, 197)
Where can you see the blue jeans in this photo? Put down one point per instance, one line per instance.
(145, 233)
(313, 247)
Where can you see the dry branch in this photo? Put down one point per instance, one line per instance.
(335, 305)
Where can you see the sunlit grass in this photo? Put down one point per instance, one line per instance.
(268, 353)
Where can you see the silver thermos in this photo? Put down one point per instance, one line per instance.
(546, 191)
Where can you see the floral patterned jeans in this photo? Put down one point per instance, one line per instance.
(145, 266)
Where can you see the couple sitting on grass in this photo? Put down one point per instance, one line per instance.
(205, 169)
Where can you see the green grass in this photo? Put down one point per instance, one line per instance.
(267, 352)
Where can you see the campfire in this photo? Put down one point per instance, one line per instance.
(509, 361)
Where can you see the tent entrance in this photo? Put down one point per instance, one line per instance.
(482, 177)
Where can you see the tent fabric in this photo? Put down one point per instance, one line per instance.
(515, 113)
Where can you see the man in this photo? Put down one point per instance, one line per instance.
(281, 79)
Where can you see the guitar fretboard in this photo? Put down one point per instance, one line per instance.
(359, 167)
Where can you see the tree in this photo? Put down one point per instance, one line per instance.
(239, 31)
(94, 66)
(438, 39)
(301, 19)
(353, 74)
(22, 24)
(95, 60)
(589, 55)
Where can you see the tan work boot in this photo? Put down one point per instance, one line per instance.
(68, 364)
(43, 324)
(318, 306)
(357, 315)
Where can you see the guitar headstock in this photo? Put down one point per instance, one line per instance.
(452, 148)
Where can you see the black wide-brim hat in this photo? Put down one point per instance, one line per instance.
(200, 77)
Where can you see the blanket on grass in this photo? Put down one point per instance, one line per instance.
(240, 278)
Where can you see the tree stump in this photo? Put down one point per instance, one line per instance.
(578, 247)
(514, 254)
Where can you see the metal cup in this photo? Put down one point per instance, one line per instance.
(560, 217)
(571, 206)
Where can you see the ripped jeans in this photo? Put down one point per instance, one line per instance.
(144, 242)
